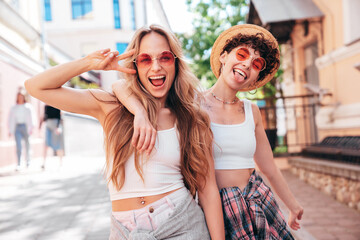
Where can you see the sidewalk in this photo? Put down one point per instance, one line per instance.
(72, 202)
(324, 218)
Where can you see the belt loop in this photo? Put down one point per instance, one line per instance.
(134, 217)
(170, 202)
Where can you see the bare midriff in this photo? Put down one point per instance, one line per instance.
(137, 202)
(233, 178)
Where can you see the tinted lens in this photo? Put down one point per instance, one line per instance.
(259, 64)
(242, 54)
(143, 60)
(166, 58)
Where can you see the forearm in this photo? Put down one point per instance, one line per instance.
(211, 205)
(127, 98)
(56, 76)
(282, 189)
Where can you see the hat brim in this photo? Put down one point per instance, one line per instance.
(245, 29)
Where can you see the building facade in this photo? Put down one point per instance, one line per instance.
(34, 32)
(21, 56)
(320, 47)
(81, 27)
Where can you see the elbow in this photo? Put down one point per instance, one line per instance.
(119, 84)
(27, 86)
(269, 171)
(30, 87)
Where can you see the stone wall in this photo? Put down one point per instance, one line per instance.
(339, 180)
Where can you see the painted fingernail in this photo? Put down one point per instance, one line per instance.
(111, 55)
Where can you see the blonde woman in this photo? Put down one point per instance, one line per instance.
(152, 194)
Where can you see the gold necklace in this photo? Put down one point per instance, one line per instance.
(224, 102)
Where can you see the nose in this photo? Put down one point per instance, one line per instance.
(155, 65)
(247, 63)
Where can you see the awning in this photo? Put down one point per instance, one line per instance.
(279, 16)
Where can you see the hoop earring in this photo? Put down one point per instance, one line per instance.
(251, 86)
(253, 93)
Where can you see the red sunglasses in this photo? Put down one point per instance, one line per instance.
(257, 64)
(144, 60)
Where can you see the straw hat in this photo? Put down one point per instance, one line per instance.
(245, 29)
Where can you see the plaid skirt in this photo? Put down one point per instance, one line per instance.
(253, 214)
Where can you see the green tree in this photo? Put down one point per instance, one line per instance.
(211, 18)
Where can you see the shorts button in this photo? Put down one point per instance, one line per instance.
(151, 209)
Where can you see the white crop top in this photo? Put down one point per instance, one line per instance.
(161, 171)
(235, 144)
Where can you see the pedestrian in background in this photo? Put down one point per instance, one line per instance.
(54, 133)
(21, 125)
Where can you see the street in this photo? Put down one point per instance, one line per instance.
(67, 202)
(72, 202)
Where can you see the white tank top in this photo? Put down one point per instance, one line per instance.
(161, 171)
(235, 144)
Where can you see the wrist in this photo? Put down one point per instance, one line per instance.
(140, 111)
(84, 64)
(295, 208)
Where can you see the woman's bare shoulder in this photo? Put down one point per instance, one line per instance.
(102, 95)
(106, 100)
(256, 113)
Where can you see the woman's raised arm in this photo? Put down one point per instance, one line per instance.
(48, 85)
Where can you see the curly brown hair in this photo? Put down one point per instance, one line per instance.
(265, 47)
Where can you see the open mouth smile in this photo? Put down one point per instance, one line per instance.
(157, 81)
(240, 72)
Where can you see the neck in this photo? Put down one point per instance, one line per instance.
(160, 102)
(222, 91)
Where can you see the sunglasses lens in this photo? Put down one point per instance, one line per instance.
(143, 60)
(166, 58)
(242, 54)
(259, 64)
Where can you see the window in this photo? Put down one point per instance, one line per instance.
(81, 8)
(47, 10)
(351, 18)
(117, 22)
(121, 47)
(311, 71)
(133, 24)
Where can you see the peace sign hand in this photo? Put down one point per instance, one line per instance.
(107, 60)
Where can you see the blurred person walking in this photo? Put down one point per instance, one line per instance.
(54, 133)
(21, 125)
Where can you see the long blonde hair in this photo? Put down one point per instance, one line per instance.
(192, 123)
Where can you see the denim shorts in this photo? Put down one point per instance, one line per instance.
(152, 215)
(176, 216)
